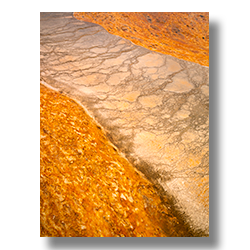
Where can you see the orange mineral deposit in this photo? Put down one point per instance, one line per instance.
(184, 35)
(88, 189)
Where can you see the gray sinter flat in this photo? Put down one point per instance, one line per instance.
(154, 107)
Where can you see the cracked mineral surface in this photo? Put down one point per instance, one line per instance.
(153, 107)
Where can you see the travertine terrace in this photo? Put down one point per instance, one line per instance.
(153, 107)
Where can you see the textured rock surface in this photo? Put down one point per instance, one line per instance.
(88, 189)
(155, 108)
(184, 35)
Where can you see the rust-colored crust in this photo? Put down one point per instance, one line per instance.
(87, 187)
(184, 35)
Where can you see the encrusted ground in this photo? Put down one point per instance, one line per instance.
(153, 107)
(87, 187)
(184, 35)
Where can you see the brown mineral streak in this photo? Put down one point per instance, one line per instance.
(88, 189)
(184, 35)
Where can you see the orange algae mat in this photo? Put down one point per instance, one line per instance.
(87, 188)
(184, 35)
